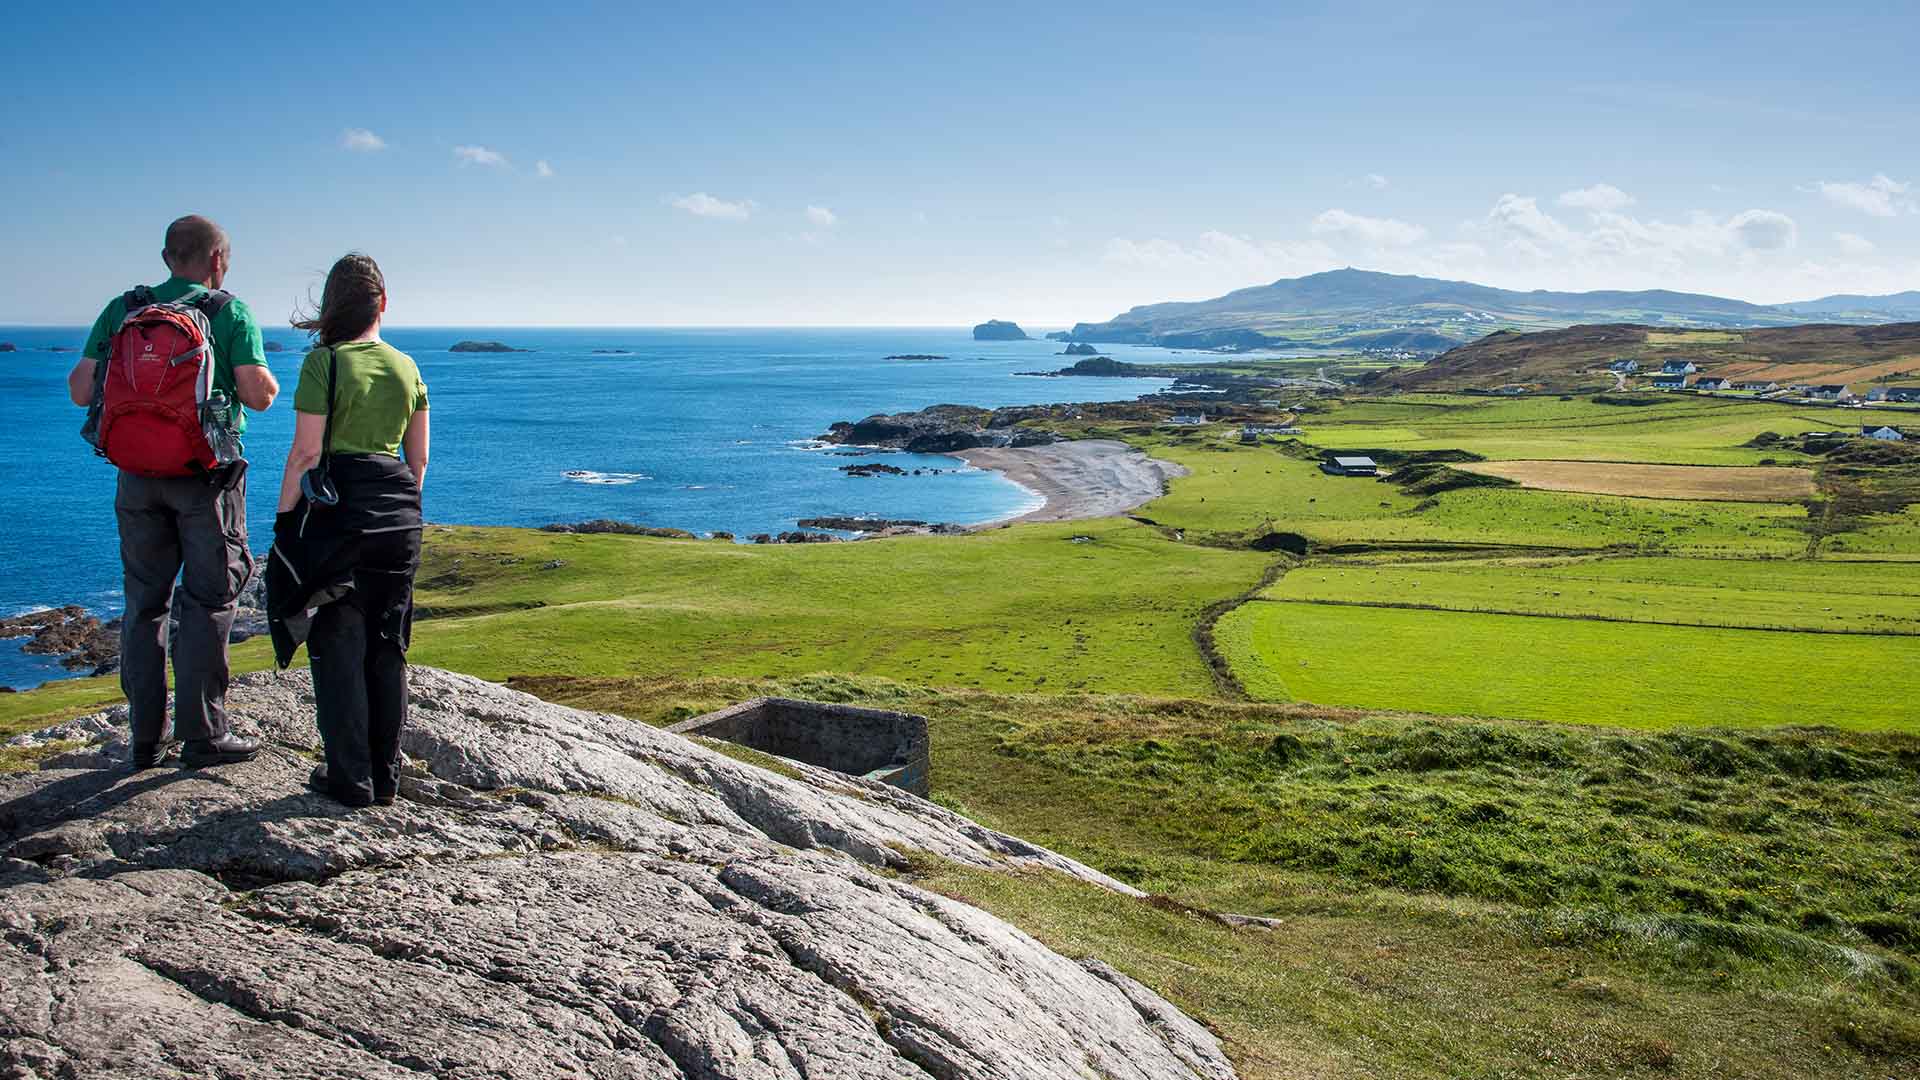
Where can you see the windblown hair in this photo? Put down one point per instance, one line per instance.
(192, 242)
(350, 303)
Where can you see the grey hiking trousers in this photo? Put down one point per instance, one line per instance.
(195, 530)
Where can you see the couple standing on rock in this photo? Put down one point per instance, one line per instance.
(167, 376)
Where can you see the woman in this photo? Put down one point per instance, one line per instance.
(347, 537)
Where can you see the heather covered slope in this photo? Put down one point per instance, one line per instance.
(1577, 357)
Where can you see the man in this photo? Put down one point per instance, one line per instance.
(193, 523)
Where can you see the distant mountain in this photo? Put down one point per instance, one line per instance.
(1359, 309)
(1903, 304)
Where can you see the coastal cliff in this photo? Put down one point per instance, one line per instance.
(555, 894)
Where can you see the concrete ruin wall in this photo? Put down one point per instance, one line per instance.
(891, 747)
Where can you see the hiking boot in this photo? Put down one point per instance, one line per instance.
(228, 749)
(352, 797)
(152, 755)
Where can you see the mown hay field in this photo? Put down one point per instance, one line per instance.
(1700, 482)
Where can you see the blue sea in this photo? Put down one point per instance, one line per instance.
(700, 429)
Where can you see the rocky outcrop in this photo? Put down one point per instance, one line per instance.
(621, 528)
(555, 894)
(1080, 348)
(8, 346)
(941, 429)
(873, 468)
(483, 346)
(72, 633)
(998, 330)
(273, 346)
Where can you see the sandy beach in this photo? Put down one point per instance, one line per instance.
(1088, 478)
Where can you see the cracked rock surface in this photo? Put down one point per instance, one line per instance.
(555, 894)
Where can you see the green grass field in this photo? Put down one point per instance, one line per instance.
(1569, 670)
(1769, 594)
(1237, 489)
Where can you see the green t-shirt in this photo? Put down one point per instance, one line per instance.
(236, 338)
(377, 389)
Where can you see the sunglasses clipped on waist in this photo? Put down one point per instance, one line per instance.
(317, 485)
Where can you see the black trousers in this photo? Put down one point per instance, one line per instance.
(189, 528)
(357, 649)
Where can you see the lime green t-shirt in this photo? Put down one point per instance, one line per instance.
(236, 338)
(377, 389)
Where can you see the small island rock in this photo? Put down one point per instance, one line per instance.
(483, 346)
(999, 330)
(1080, 349)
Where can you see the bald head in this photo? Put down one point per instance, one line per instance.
(196, 249)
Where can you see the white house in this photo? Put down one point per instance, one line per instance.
(1757, 386)
(1710, 382)
(1831, 392)
(1884, 433)
(1625, 367)
(1679, 367)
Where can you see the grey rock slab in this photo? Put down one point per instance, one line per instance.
(555, 894)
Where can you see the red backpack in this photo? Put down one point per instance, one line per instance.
(155, 411)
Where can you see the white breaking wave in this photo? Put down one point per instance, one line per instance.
(588, 476)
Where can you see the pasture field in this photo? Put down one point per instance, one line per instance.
(1692, 337)
(1772, 594)
(1569, 670)
(1237, 489)
(1760, 483)
(1676, 430)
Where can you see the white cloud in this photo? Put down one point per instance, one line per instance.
(1881, 196)
(1763, 230)
(1377, 232)
(1597, 197)
(701, 204)
(821, 216)
(479, 155)
(1853, 243)
(1518, 224)
(1375, 181)
(542, 170)
(362, 140)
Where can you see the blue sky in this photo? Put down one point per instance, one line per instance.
(922, 164)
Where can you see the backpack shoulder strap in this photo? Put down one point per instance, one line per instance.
(326, 440)
(212, 302)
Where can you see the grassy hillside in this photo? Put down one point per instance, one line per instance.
(1576, 358)
(1445, 898)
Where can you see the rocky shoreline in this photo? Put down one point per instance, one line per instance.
(86, 644)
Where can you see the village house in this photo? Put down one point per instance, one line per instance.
(1183, 418)
(1884, 433)
(1678, 367)
(1350, 466)
(1757, 387)
(1905, 394)
(1625, 367)
(1669, 382)
(1831, 392)
(1710, 382)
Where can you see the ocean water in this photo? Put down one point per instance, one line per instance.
(699, 429)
